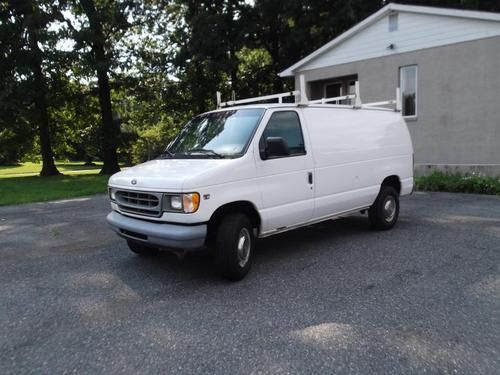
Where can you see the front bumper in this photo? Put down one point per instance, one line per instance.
(171, 236)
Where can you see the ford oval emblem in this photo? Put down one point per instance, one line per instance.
(134, 182)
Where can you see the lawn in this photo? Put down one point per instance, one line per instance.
(33, 169)
(21, 184)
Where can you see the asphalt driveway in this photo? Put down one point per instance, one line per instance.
(335, 297)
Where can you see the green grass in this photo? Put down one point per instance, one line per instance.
(21, 183)
(33, 169)
(18, 190)
(438, 181)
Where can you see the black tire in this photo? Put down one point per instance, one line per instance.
(141, 249)
(384, 212)
(233, 255)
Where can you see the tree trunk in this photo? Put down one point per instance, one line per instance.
(48, 166)
(109, 129)
(198, 91)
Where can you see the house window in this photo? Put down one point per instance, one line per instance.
(408, 85)
(393, 22)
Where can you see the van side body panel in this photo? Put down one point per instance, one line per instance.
(353, 152)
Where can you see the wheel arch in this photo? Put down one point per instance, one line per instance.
(246, 207)
(393, 181)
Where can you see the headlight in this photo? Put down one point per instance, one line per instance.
(112, 195)
(176, 202)
(186, 203)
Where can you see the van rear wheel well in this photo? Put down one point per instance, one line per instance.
(394, 182)
(243, 207)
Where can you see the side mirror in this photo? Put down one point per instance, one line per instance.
(275, 147)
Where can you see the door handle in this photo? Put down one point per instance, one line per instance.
(310, 177)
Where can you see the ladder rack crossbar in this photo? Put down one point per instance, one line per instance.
(332, 99)
(329, 105)
(377, 104)
(259, 99)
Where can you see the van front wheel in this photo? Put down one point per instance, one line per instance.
(234, 246)
(384, 212)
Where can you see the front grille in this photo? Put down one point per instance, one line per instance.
(138, 199)
(139, 203)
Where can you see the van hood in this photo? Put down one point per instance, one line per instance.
(166, 174)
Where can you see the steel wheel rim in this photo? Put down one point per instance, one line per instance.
(389, 209)
(243, 247)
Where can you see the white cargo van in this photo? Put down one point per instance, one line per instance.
(250, 171)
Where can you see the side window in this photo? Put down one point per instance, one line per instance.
(286, 124)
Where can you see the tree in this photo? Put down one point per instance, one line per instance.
(101, 62)
(30, 60)
(16, 133)
(290, 30)
(207, 37)
(154, 63)
(255, 72)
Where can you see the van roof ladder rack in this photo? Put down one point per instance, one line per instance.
(301, 99)
(396, 101)
(257, 99)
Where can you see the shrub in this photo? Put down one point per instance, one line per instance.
(439, 181)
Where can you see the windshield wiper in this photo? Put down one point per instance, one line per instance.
(206, 152)
(167, 153)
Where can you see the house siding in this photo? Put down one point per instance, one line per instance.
(458, 124)
(414, 32)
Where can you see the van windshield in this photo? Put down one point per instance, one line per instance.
(216, 135)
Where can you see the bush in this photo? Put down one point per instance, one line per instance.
(439, 181)
(152, 141)
(15, 144)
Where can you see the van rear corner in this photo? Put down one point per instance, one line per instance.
(407, 186)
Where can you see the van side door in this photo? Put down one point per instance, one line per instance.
(285, 181)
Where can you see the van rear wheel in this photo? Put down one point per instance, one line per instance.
(141, 249)
(234, 246)
(384, 212)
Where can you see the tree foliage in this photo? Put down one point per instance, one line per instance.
(116, 79)
(29, 63)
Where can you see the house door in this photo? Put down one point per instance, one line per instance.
(333, 90)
